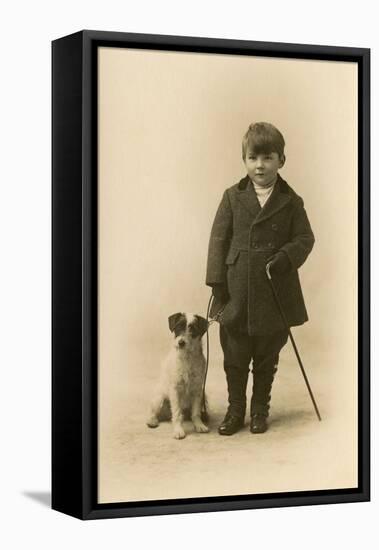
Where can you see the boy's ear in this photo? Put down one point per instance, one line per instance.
(282, 160)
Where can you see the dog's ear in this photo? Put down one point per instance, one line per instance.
(173, 320)
(202, 324)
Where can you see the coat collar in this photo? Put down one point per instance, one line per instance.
(278, 199)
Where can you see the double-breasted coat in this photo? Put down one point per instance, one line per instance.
(243, 238)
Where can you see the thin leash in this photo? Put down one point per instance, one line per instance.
(209, 322)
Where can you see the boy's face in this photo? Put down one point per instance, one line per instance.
(263, 168)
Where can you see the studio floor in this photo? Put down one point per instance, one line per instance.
(297, 452)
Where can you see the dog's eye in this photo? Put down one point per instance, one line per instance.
(193, 330)
(179, 328)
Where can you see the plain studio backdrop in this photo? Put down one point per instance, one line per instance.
(170, 132)
(28, 28)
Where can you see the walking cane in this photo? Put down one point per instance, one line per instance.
(292, 340)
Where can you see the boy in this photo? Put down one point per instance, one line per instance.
(260, 221)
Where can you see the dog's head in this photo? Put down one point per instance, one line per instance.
(187, 328)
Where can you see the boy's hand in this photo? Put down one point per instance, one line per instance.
(220, 292)
(279, 264)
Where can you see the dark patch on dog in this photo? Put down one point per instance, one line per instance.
(201, 326)
(177, 322)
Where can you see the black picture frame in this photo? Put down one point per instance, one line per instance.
(74, 273)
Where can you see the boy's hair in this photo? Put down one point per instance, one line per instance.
(263, 138)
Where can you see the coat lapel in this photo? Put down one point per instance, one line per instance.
(278, 199)
(248, 198)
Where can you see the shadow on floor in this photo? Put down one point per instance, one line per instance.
(293, 418)
(42, 497)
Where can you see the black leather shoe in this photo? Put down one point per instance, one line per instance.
(230, 425)
(258, 424)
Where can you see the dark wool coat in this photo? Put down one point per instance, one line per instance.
(244, 236)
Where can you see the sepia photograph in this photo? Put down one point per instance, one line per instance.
(186, 275)
(227, 262)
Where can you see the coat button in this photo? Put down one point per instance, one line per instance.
(274, 227)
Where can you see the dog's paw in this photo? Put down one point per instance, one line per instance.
(179, 434)
(201, 428)
(152, 422)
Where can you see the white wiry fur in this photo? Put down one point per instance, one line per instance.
(182, 376)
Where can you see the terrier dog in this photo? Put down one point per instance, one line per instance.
(181, 384)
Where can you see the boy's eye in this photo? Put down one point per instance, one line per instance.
(266, 157)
